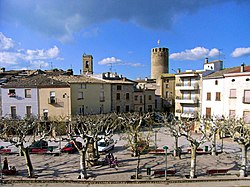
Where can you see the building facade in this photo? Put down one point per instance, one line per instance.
(227, 93)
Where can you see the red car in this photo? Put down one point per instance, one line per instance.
(70, 147)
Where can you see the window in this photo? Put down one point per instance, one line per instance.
(52, 97)
(82, 86)
(217, 98)
(150, 108)
(150, 97)
(246, 97)
(136, 97)
(13, 111)
(127, 96)
(166, 85)
(87, 64)
(119, 87)
(127, 108)
(232, 113)
(232, 93)
(118, 96)
(208, 96)
(45, 114)
(166, 94)
(246, 116)
(28, 111)
(81, 109)
(102, 96)
(208, 112)
(216, 82)
(156, 103)
(80, 95)
(140, 99)
(12, 93)
(27, 93)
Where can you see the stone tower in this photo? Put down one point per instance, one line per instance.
(159, 62)
(87, 64)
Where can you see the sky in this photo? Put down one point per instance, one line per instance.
(120, 34)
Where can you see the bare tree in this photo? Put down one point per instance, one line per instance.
(18, 132)
(186, 130)
(138, 141)
(173, 129)
(240, 132)
(88, 128)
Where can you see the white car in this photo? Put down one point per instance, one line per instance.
(106, 145)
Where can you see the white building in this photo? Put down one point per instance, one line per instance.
(227, 92)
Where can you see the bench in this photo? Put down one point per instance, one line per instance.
(157, 151)
(161, 172)
(217, 171)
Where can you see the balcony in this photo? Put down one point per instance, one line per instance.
(189, 114)
(12, 94)
(52, 100)
(185, 86)
(186, 100)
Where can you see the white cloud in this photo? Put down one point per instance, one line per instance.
(5, 43)
(39, 64)
(117, 61)
(109, 60)
(10, 57)
(239, 52)
(42, 54)
(195, 54)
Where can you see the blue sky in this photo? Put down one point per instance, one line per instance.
(55, 34)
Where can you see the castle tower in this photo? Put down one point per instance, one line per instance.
(87, 64)
(159, 62)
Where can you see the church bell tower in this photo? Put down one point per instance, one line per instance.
(87, 64)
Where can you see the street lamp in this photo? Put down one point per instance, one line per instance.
(166, 154)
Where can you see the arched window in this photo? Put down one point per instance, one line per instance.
(216, 82)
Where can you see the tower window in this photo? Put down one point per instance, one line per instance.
(87, 64)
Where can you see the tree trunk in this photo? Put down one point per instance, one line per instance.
(214, 145)
(137, 167)
(26, 154)
(176, 149)
(243, 169)
(83, 169)
(193, 161)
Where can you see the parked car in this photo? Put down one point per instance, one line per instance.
(40, 146)
(105, 145)
(70, 147)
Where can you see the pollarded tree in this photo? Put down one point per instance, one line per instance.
(135, 125)
(88, 128)
(173, 129)
(240, 132)
(186, 129)
(17, 131)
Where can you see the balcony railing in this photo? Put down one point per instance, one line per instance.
(52, 100)
(187, 100)
(187, 86)
(12, 94)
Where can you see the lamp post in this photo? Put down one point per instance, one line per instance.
(166, 154)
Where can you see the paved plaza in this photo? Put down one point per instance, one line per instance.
(66, 166)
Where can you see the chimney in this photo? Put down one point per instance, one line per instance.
(178, 70)
(206, 60)
(80, 71)
(242, 67)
